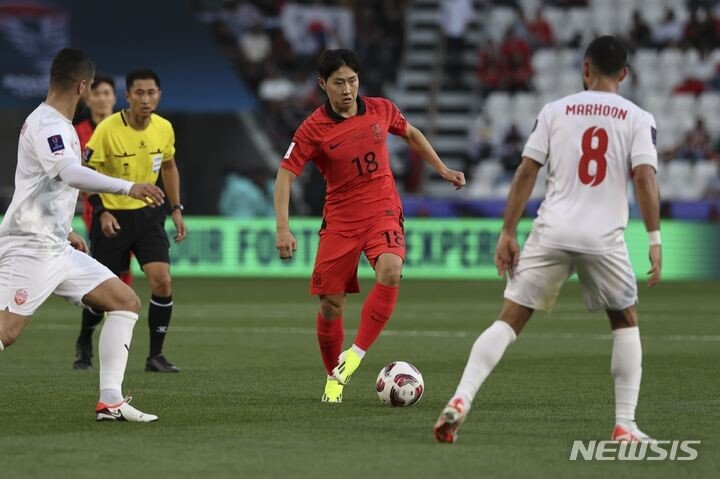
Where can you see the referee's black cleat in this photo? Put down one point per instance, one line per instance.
(83, 357)
(159, 364)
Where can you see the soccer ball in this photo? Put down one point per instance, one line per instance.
(400, 384)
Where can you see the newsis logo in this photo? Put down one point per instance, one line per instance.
(634, 451)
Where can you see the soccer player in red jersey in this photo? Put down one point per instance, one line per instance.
(101, 103)
(346, 139)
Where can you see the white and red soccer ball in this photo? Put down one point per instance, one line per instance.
(400, 384)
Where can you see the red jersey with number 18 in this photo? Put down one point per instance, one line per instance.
(351, 153)
(590, 142)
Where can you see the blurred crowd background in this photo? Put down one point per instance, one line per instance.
(472, 74)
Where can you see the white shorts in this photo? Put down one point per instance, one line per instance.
(26, 281)
(607, 280)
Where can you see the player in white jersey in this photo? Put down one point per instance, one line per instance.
(39, 253)
(592, 143)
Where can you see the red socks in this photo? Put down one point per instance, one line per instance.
(330, 334)
(376, 311)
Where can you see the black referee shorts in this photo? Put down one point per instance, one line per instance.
(142, 232)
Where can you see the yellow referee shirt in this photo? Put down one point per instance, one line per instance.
(118, 150)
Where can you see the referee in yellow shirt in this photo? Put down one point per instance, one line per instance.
(137, 145)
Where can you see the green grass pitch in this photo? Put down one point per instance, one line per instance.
(247, 402)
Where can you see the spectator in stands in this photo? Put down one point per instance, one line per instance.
(489, 66)
(275, 87)
(541, 32)
(516, 71)
(453, 19)
(693, 31)
(669, 32)
(640, 35)
(255, 49)
(240, 16)
(709, 37)
(696, 144)
(248, 195)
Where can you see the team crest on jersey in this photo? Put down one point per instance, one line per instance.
(21, 296)
(377, 132)
(56, 143)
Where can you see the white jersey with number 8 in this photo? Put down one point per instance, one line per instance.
(590, 142)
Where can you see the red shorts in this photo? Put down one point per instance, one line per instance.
(338, 254)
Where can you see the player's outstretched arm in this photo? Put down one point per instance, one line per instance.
(87, 179)
(507, 252)
(284, 239)
(419, 144)
(648, 199)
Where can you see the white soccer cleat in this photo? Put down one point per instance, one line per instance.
(450, 420)
(630, 433)
(122, 412)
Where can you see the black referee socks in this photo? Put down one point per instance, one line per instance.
(159, 320)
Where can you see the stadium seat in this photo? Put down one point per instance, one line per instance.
(544, 61)
(704, 172)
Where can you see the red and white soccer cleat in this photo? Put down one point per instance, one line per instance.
(450, 420)
(122, 412)
(631, 433)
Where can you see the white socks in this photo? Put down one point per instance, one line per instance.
(626, 368)
(358, 350)
(1, 346)
(484, 355)
(114, 347)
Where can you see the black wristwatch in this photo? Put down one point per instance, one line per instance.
(178, 206)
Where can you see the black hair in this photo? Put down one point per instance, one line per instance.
(141, 74)
(607, 54)
(70, 66)
(103, 79)
(331, 60)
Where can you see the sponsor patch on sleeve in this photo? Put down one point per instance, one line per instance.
(56, 143)
(653, 135)
(87, 154)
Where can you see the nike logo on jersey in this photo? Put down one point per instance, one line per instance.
(332, 147)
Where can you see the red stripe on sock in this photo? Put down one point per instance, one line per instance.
(330, 334)
(376, 312)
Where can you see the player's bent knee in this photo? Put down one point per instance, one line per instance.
(161, 286)
(10, 329)
(331, 308)
(6, 338)
(128, 301)
(389, 274)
